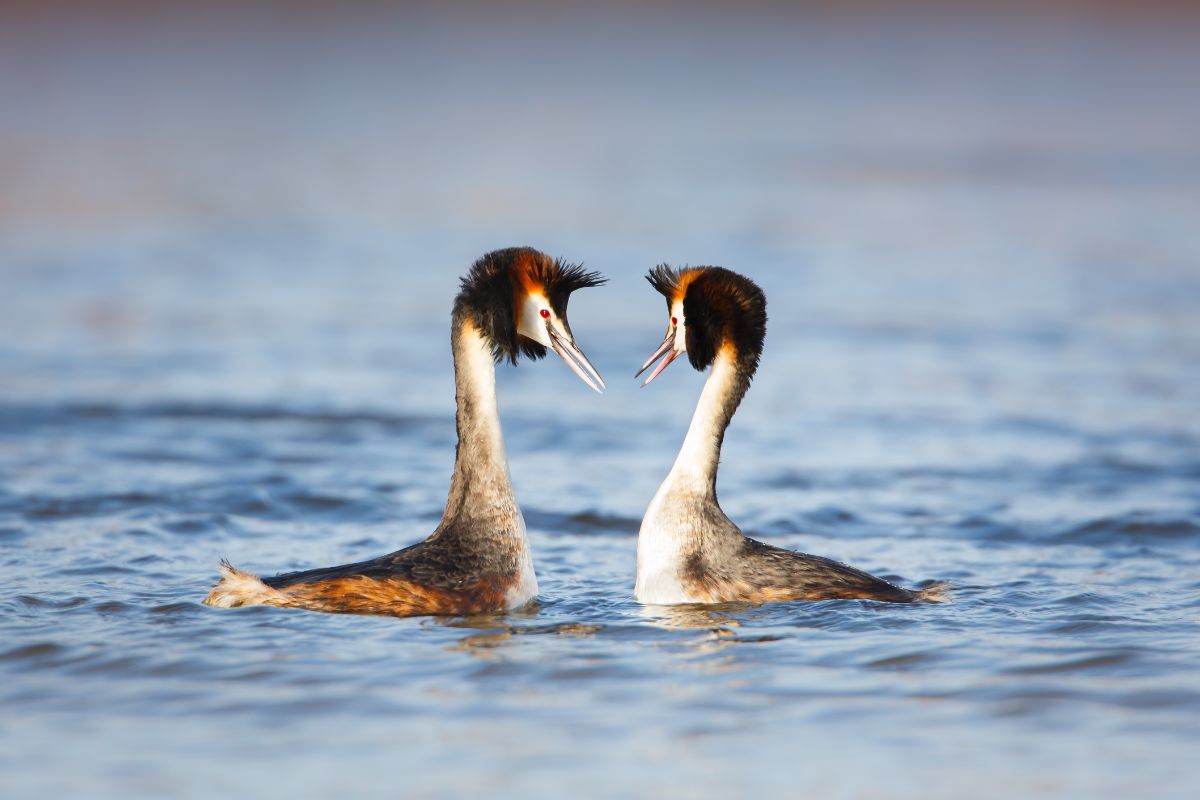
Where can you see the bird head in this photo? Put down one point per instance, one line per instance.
(518, 298)
(709, 309)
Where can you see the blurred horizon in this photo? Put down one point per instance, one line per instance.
(416, 114)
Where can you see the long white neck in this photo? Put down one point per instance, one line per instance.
(695, 467)
(481, 486)
(482, 515)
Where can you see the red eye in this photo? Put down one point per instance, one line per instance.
(674, 321)
(545, 313)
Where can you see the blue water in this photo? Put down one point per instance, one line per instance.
(229, 244)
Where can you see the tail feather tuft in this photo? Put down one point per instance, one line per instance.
(933, 593)
(237, 588)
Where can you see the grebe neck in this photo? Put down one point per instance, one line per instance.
(695, 467)
(480, 487)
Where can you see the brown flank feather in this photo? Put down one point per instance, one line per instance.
(360, 594)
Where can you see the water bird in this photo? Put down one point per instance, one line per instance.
(512, 303)
(689, 551)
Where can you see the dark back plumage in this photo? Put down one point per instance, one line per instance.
(492, 288)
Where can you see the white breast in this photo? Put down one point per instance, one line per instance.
(660, 552)
(526, 587)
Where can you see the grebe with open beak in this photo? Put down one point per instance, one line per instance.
(512, 302)
(688, 550)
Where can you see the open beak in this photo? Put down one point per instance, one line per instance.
(667, 348)
(576, 360)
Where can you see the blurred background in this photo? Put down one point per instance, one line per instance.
(227, 182)
(230, 235)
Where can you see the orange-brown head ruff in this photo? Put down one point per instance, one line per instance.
(518, 297)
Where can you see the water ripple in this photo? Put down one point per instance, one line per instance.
(1131, 527)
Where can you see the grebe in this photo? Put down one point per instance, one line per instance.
(688, 550)
(512, 302)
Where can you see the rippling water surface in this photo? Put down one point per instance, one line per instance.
(225, 334)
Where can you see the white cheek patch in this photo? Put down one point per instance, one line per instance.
(680, 327)
(531, 324)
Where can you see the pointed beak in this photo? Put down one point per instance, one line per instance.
(666, 348)
(576, 360)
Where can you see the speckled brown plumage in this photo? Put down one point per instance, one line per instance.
(761, 573)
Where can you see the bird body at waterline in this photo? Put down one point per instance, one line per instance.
(512, 302)
(688, 550)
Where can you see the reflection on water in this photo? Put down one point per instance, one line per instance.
(481, 644)
(229, 240)
(715, 618)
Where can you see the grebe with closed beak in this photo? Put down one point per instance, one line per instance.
(512, 302)
(688, 550)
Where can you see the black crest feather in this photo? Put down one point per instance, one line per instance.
(561, 279)
(665, 280)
